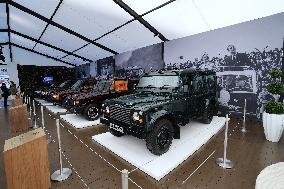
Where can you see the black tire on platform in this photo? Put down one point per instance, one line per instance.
(116, 133)
(208, 114)
(159, 140)
(92, 112)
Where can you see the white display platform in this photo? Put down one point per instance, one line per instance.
(56, 109)
(134, 150)
(79, 121)
(38, 99)
(43, 102)
(47, 104)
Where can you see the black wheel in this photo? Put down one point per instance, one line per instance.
(116, 133)
(92, 112)
(208, 114)
(159, 140)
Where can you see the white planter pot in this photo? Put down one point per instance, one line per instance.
(276, 97)
(273, 125)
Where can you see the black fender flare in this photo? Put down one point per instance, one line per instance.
(163, 114)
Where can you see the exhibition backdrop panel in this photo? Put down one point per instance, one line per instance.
(37, 77)
(4, 77)
(243, 56)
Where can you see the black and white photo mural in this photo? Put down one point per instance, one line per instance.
(105, 68)
(133, 64)
(83, 71)
(243, 56)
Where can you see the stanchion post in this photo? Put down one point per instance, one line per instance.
(49, 140)
(34, 112)
(244, 129)
(224, 162)
(62, 173)
(124, 178)
(30, 107)
(42, 117)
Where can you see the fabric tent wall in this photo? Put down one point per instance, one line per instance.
(23, 57)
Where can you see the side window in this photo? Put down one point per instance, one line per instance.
(197, 85)
(186, 81)
(210, 82)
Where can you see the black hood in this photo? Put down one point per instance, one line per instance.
(140, 100)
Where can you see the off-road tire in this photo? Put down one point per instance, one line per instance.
(162, 127)
(208, 114)
(87, 109)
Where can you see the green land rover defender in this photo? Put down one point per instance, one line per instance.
(163, 101)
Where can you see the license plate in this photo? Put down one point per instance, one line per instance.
(116, 127)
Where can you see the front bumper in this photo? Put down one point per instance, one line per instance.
(129, 129)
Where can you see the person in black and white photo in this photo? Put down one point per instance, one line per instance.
(235, 58)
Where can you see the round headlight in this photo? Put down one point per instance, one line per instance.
(137, 116)
(107, 109)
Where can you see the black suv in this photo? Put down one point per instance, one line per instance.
(163, 102)
(81, 85)
(89, 103)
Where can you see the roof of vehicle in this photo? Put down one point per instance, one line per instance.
(178, 72)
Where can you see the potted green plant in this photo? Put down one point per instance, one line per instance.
(273, 116)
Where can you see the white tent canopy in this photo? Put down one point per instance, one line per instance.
(79, 32)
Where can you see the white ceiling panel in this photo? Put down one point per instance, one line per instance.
(221, 13)
(93, 52)
(178, 19)
(23, 57)
(130, 37)
(143, 6)
(91, 18)
(25, 23)
(74, 60)
(4, 37)
(49, 51)
(43, 7)
(62, 39)
(3, 16)
(22, 41)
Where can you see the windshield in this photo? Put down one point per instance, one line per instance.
(159, 81)
(63, 84)
(102, 86)
(77, 84)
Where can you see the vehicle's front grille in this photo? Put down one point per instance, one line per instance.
(120, 113)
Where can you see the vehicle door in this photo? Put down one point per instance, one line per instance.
(185, 104)
(195, 97)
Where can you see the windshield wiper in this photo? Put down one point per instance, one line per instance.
(149, 86)
(164, 86)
